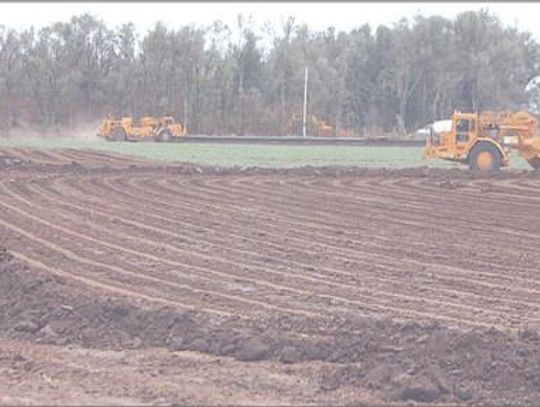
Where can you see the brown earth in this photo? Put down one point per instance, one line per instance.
(124, 281)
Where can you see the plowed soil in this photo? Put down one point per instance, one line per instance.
(124, 281)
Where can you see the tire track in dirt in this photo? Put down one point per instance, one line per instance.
(385, 306)
(392, 222)
(317, 260)
(377, 203)
(153, 258)
(522, 245)
(72, 256)
(122, 291)
(468, 198)
(258, 241)
(380, 246)
(82, 157)
(96, 158)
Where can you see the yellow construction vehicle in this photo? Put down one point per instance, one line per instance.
(147, 128)
(484, 141)
(316, 127)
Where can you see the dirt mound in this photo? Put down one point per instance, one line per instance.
(421, 361)
(448, 177)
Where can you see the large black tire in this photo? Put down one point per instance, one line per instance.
(485, 158)
(118, 135)
(164, 136)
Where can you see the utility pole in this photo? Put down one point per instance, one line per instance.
(185, 112)
(304, 118)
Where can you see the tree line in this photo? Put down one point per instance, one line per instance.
(223, 80)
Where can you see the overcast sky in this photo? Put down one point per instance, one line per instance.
(343, 16)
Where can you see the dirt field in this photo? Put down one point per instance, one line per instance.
(127, 282)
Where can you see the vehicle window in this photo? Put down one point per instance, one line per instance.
(462, 126)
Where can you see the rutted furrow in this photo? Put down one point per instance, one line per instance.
(241, 301)
(190, 269)
(504, 275)
(46, 157)
(221, 208)
(388, 306)
(384, 247)
(329, 260)
(271, 248)
(501, 248)
(384, 196)
(97, 158)
(123, 291)
(424, 217)
(397, 286)
(467, 273)
(508, 275)
(393, 225)
(466, 198)
(492, 195)
(468, 215)
(93, 271)
(19, 153)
